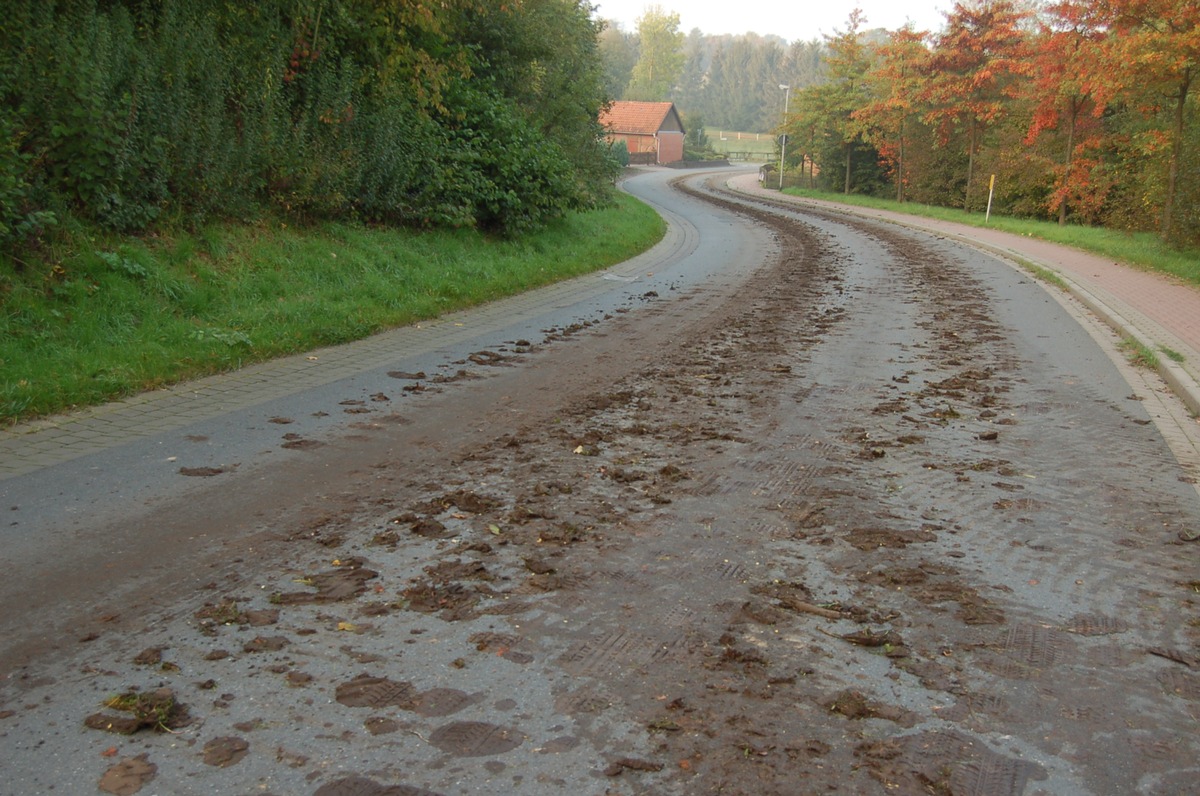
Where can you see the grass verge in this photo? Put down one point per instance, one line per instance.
(1044, 274)
(1138, 354)
(108, 316)
(1142, 249)
(1172, 354)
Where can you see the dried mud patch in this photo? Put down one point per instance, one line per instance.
(877, 538)
(128, 776)
(945, 762)
(855, 705)
(346, 582)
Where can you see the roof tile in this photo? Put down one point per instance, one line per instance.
(638, 118)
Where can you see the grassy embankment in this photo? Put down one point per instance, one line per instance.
(106, 316)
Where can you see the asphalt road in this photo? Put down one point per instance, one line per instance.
(794, 503)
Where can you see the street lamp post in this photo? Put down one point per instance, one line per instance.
(787, 90)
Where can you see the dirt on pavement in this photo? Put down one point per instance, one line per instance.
(823, 530)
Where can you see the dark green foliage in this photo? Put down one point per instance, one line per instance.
(1188, 200)
(695, 138)
(414, 180)
(126, 114)
(516, 177)
(620, 153)
(19, 220)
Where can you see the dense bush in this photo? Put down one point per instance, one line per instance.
(125, 112)
(19, 220)
(620, 153)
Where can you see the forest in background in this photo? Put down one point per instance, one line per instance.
(135, 114)
(1084, 110)
(131, 114)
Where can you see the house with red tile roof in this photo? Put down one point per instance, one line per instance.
(652, 131)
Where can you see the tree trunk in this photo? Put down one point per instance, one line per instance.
(812, 161)
(1062, 205)
(848, 147)
(970, 164)
(900, 167)
(1176, 154)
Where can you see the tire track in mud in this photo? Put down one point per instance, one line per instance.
(1033, 532)
(795, 546)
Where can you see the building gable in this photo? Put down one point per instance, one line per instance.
(652, 131)
(626, 117)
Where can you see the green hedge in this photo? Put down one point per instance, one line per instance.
(128, 114)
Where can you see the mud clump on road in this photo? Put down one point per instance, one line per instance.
(367, 691)
(856, 705)
(226, 751)
(156, 710)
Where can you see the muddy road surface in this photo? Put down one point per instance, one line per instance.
(858, 511)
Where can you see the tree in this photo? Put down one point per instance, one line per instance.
(419, 112)
(893, 82)
(408, 44)
(690, 91)
(803, 64)
(1157, 44)
(546, 59)
(696, 139)
(973, 72)
(835, 101)
(660, 58)
(806, 128)
(740, 88)
(618, 52)
(1066, 78)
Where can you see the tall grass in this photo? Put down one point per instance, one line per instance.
(1143, 249)
(116, 315)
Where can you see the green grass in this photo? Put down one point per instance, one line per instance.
(1044, 274)
(1172, 354)
(1143, 249)
(113, 315)
(1138, 354)
(762, 145)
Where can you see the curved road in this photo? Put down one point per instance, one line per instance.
(795, 502)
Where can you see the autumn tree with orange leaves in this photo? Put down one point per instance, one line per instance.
(893, 83)
(1153, 52)
(1067, 76)
(974, 71)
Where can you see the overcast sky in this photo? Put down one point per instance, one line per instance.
(793, 21)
